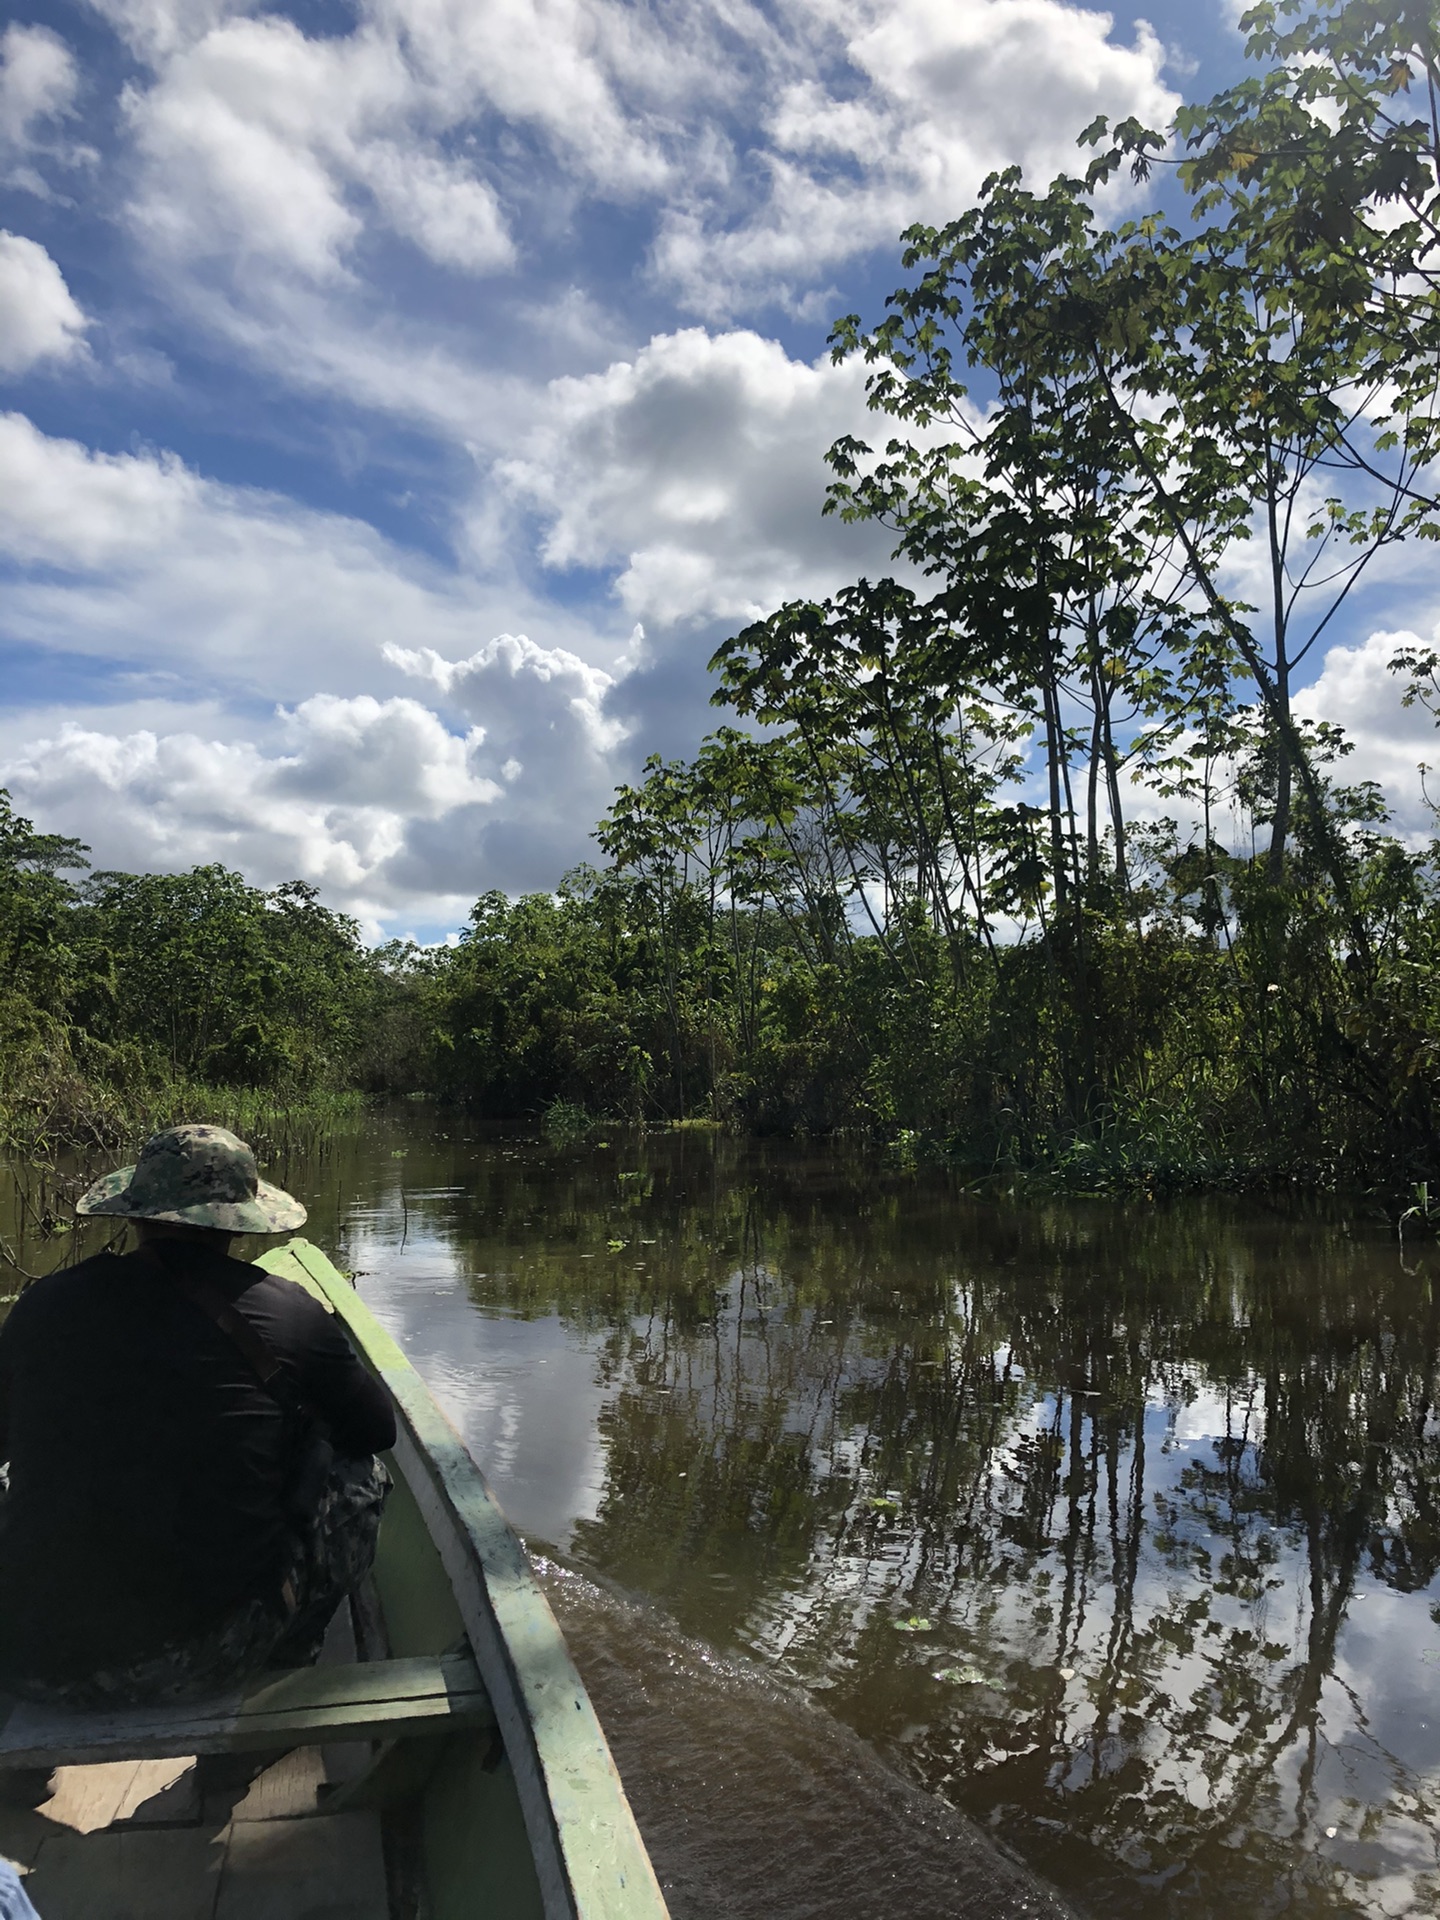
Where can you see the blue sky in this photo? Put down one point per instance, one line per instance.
(399, 401)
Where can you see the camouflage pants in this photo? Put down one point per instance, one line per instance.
(326, 1562)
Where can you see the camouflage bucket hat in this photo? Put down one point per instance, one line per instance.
(198, 1177)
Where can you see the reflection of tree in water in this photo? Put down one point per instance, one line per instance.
(988, 1440)
(1131, 1468)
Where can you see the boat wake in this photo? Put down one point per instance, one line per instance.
(754, 1803)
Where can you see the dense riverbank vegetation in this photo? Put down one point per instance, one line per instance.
(125, 998)
(1025, 854)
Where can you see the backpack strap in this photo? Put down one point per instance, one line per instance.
(253, 1347)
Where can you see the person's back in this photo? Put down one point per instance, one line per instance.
(148, 1464)
(152, 1470)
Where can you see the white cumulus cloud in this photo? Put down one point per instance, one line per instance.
(332, 802)
(448, 213)
(894, 111)
(39, 90)
(136, 559)
(541, 712)
(516, 690)
(763, 147)
(39, 319)
(38, 81)
(191, 596)
(1357, 689)
(697, 468)
(586, 75)
(260, 143)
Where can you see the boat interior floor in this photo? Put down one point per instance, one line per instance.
(179, 1840)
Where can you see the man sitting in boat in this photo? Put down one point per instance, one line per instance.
(192, 1481)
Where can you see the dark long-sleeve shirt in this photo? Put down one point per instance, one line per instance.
(148, 1463)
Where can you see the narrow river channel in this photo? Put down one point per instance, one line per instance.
(1115, 1528)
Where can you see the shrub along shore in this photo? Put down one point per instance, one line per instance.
(1025, 856)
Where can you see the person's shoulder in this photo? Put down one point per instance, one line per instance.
(59, 1292)
(279, 1295)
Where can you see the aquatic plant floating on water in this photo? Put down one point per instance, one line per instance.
(915, 1624)
(962, 1676)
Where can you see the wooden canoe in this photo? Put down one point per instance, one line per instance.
(535, 1823)
(488, 1762)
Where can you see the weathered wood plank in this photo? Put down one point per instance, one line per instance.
(589, 1856)
(397, 1775)
(133, 1873)
(417, 1678)
(328, 1865)
(379, 1699)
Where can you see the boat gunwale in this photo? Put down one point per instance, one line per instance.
(589, 1857)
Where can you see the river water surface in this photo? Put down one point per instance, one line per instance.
(1115, 1528)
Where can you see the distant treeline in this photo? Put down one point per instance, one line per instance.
(1024, 854)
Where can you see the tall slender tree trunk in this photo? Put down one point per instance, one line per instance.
(1092, 799)
(1280, 823)
(1097, 742)
(1054, 748)
(1112, 789)
(1284, 783)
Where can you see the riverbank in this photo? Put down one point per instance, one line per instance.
(78, 1124)
(54, 1104)
(1109, 1161)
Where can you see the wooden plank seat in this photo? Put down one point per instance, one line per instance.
(371, 1700)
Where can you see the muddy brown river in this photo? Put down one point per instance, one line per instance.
(886, 1521)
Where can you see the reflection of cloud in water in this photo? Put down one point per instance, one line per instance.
(1387, 1665)
(1389, 1660)
(1217, 1614)
(523, 1397)
(1213, 1415)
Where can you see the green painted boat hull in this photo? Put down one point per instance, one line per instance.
(532, 1824)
